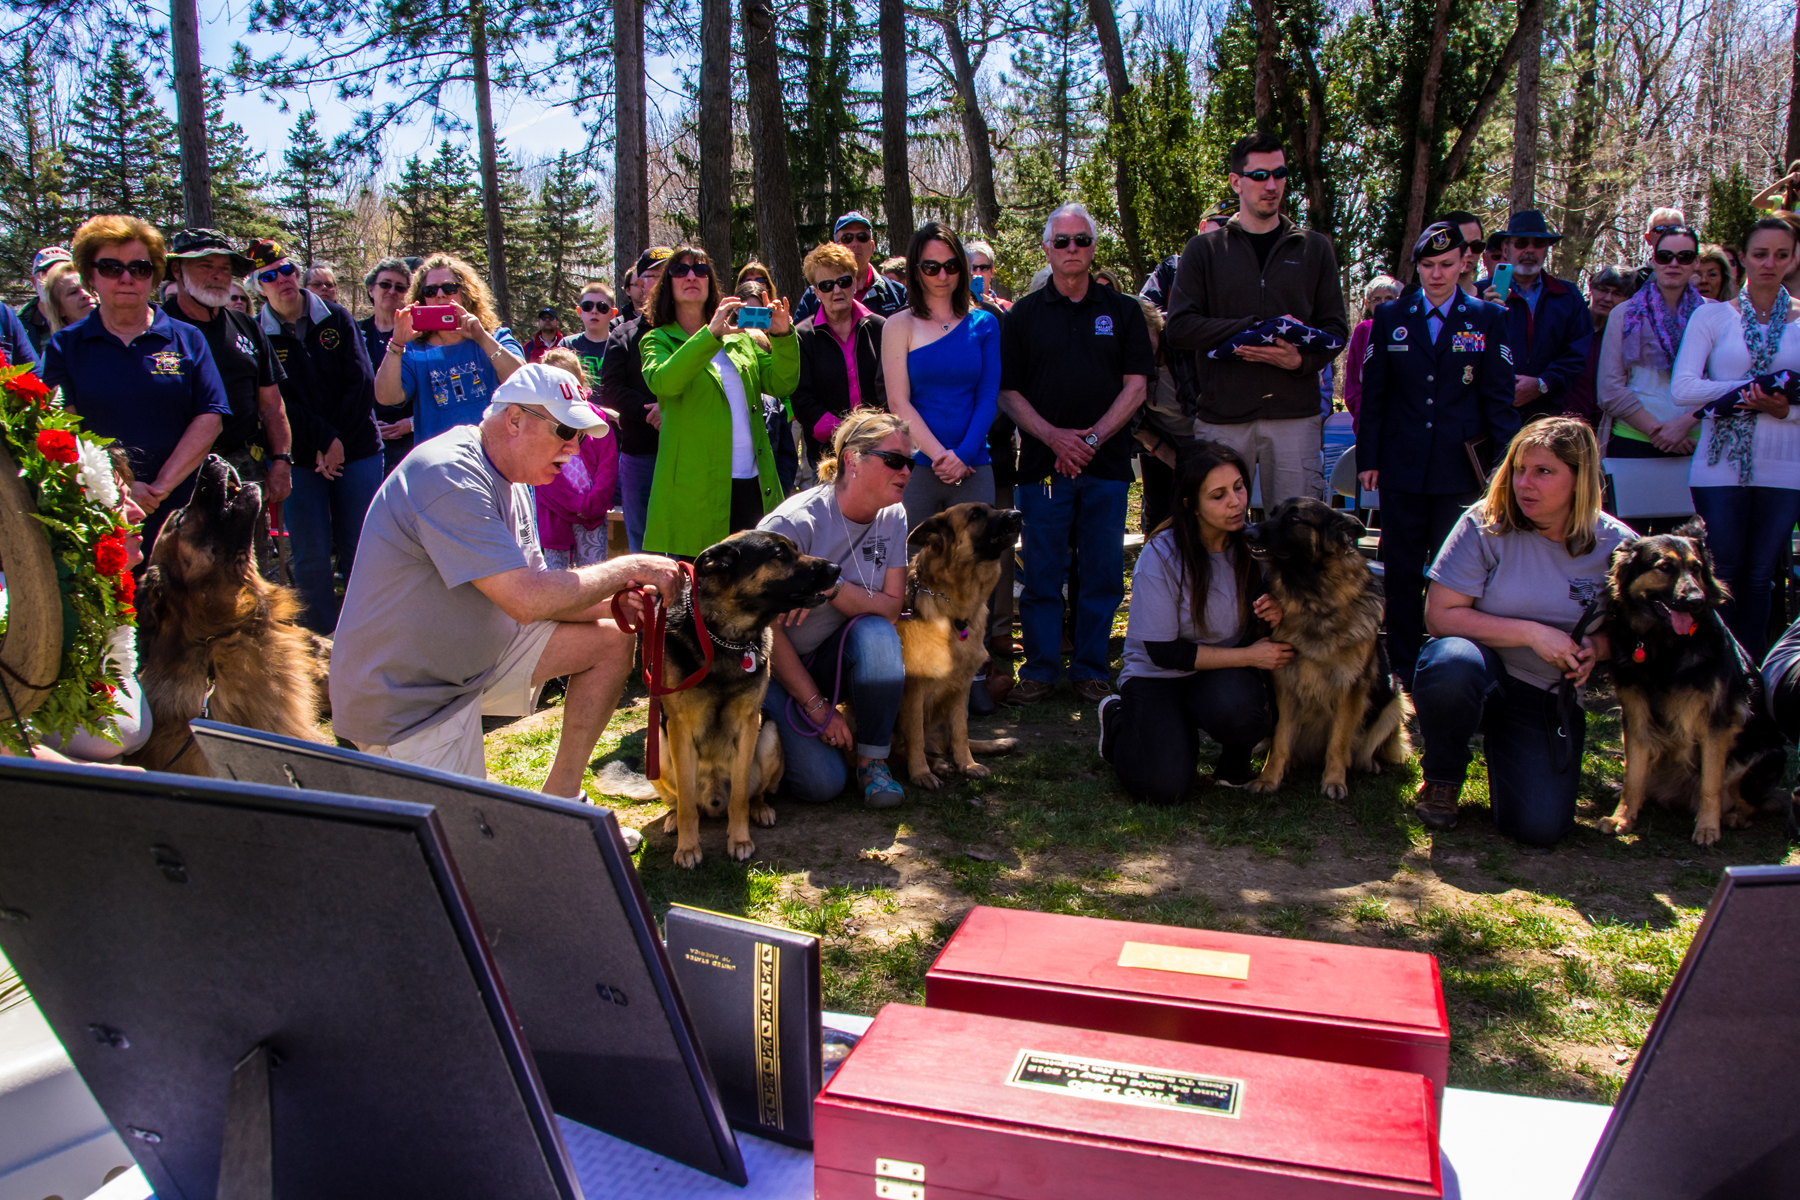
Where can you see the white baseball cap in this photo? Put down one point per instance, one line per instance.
(554, 389)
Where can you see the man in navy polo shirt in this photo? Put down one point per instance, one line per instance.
(1075, 359)
(133, 374)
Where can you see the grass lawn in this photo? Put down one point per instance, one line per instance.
(1553, 966)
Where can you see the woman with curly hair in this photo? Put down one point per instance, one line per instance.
(446, 375)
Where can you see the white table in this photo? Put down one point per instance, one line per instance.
(1494, 1147)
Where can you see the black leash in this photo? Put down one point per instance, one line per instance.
(1568, 701)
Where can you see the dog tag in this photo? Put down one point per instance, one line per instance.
(749, 661)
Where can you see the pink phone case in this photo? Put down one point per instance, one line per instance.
(434, 316)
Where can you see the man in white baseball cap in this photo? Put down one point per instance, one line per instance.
(451, 607)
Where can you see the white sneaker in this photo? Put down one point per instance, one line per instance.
(1106, 702)
(633, 839)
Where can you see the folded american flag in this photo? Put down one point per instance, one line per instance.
(1279, 329)
(1784, 382)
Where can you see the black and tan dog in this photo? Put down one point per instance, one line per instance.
(943, 637)
(718, 756)
(214, 636)
(1337, 699)
(1698, 733)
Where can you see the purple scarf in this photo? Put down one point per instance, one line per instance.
(1652, 334)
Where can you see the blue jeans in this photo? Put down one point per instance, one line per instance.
(1095, 510)
(1746, 528)
(635, 474)
(323, 515)
(874, 675)
(1461, 687)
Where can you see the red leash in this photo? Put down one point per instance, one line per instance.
(652, 634)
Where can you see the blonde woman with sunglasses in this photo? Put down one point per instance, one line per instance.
(448, 373)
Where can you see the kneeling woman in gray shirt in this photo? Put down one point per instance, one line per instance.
(1192, 661)
(1507, 591)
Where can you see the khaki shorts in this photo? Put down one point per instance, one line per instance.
(454, 744)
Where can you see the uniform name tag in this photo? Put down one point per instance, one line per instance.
(1468, 342)
(1221, 964)
(1397, 348)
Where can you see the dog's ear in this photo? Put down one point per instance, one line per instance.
(1695, 528)
(934, 532)
(1346, 529)
(717, 559)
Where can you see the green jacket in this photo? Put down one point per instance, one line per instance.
(690, 494)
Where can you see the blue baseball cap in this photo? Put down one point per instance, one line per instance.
(851, 218)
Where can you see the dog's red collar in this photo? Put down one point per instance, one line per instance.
(653, 630)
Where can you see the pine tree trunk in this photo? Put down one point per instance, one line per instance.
(1118, 85)
(896, 170)
(1484, 104)
(631, 187)
(715, 130)
(975, 127)
(490, 163)
(1525, 114)
(1572, 252)
(1424, 138)
(190, 114)
(1268, 40)
(776, 232)
(1793, 129)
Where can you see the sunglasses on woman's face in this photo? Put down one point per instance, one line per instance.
(388, 285)
(931, 267)
(112, 268)
(1684, 257)
(441, 289)
(599, 306)
(274, 273)
(682, 270)
(567, 433)
(1061, 241)
(826, 286)
(1265, 176)
(844, 239)
(893, 460)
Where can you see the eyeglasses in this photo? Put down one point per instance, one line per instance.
(893, 460)
(1061, 241)
(931, 267)
(1265, 176)
(274, 273)
(599, 306)
(979, 267)
(1684, 257)
(112, 268)
(845, 239)
(682, 270)
(567, 433)
(1531, 243)
(441, 289)
(826, 286)
(388, 285)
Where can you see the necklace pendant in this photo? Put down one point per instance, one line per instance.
(749, 663)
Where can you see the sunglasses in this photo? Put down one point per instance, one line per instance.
(388, 285)
(273, 273)
(599, 306)
(1061, 241)
(844, 239)
(112, 268)
(978, 267)
(931, 267)
(1684, 257)
(893, 460)
(441, 289)
(1265, 176)
(567, 433)
(827, 286)
(1524, 243)
(682, 270)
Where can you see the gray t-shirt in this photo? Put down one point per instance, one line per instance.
(863, 552)
(1163, 611)
(1528, 577)
(416, 636)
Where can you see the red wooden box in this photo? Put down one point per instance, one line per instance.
(942, 1105)
(1345, 1004)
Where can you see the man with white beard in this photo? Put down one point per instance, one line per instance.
(256, 440)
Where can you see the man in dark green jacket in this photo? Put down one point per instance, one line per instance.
(1264, 401)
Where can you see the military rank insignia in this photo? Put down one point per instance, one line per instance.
(1468, 342)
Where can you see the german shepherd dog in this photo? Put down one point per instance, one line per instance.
(1337, 699)
(1698, 732)
(214, 637)
(943, 637)
(716, 758)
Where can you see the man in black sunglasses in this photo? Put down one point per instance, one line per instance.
(1262, 401)
(874, 291)
(840, 350)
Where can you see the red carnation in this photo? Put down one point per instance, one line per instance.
(125, 591)
(58, 445)
(32, 388)
(109, 554)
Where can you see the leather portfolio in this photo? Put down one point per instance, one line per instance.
(942, 1105)
(752, 992)
(1347, 1004)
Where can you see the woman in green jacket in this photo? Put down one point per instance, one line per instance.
(715, 474)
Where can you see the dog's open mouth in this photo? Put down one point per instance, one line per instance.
(1681, 622)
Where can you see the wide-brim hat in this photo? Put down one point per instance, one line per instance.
(203, 243)
(1529, 222)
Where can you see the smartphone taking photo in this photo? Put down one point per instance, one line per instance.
(752, 318)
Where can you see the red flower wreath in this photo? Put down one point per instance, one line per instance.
(109, 554)
(125, 590)
(58, 445)
(32, 388)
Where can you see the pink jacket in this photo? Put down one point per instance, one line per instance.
(1353, 365)
(582, 494)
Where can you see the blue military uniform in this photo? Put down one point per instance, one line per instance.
(1424, 399)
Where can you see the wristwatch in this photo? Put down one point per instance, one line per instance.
(1092, 439)
(286, 458)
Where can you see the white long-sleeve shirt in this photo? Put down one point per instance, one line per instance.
(1713, 359)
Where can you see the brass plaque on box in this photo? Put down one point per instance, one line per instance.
(1221, 964)
(1126, 1083)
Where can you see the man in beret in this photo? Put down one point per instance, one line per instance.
(1437, 414)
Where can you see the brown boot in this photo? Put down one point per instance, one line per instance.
(1436, 804)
